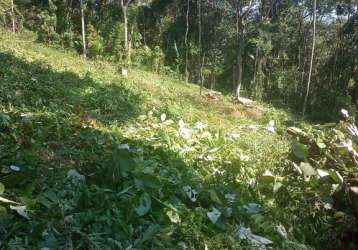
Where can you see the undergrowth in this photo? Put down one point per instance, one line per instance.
(97, 161)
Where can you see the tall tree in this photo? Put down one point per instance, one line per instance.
(312, 56)
(200, 49)
(241, 16)
(83, 30)
(124, 6)
(186, 42)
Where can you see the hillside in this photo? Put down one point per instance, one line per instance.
(97, 161)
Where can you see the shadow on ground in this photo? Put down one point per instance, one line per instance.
(52, 122)
(35, 87)
(57, 121)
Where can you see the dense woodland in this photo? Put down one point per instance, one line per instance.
(179, 124)
(257, 49)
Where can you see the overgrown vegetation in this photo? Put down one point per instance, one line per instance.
(258, 49)
(91, 160)
(115, 149)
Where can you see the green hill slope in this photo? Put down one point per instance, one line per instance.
(144, 162)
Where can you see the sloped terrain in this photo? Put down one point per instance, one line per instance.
(97, 161)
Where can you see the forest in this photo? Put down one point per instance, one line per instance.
(178, 124)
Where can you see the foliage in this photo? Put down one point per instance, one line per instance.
(92, 160)
(273, 39)
(325, 157)
(48, 23)
(117, 46)
(94, 41)
(104, 162)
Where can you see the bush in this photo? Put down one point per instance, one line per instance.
(48, 21)
(327, 160)
(116, 46)
(94, 41)
(68, 39)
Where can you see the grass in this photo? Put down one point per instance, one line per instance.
(61, 113)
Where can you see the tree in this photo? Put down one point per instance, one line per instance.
(186, 42)
(124, 7)
(312, 56)
(200, 48)
(83, 30)
(240, 27)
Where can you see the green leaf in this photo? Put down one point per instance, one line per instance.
(267, 177)
(307, 169)
(151, 231)
(124, 161)
(277, 186)
(300, 151)
(214, 215)
(321, 145)
(173, 216)
(322, 173)
(21, 210)
(2, 188)
(145, 203)
(148, 180)
(126, 164)
(335, 175)
(214, 196)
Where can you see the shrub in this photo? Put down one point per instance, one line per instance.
(48, 21)
(95, 42)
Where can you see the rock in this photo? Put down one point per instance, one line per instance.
(353, 197)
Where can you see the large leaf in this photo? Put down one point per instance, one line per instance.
(277, 186)
(214, 196)
(252, 208)
(213, 215)
(267, 177)
(145, 203)
(191, 193)
(148, 180)
(151, 231)
(173, 216)
(307, 169)
(300, 151)
(21, 210)
(320, 144)
(126, 164)
(246, 234)
(335, 175)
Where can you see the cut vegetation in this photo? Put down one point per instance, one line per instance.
(92, 160)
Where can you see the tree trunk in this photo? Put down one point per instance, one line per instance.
(255, 82)
(239, 34)
(124, 6)
(83, 30)
(234, 76)
(126, 47)
(259, 76)
(13, 16)
(212, 81)
(186, 43)
(144, 31)
(200, 50)
(202, 80)
(312, 55)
